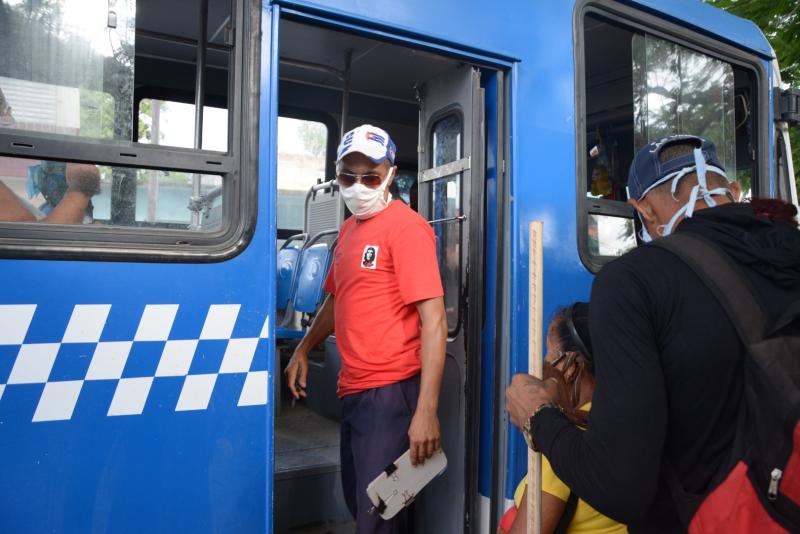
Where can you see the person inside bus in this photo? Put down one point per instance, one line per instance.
(385, 305)
(569, 363)
(68, 196)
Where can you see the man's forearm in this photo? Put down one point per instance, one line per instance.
(70, 210)
(433, 339)
(321, 328)
(11, 208)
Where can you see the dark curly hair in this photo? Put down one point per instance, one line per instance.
(579, 313)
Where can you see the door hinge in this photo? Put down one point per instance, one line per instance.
(787, 105)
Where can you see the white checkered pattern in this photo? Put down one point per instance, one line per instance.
(34, 362)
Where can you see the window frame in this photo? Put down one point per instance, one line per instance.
(638, 20)
(291, 112)
(451, 110)
(238, 167)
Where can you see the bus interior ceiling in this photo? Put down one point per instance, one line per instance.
(166, 51)
(383, 78)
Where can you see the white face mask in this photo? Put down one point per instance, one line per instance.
(364, 202)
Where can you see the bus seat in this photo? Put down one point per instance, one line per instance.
(313, 264)
(288, 257)
(310, 277)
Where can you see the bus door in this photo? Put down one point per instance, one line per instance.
(451, 174)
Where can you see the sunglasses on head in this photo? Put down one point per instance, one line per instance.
(371, 180)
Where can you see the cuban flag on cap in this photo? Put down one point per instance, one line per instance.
(369, 140)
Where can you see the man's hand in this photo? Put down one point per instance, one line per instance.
(296, 373)
(526, 394)
(83, 178)
(424, 436)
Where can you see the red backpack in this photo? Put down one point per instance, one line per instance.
(758, 489)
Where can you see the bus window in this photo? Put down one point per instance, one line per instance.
(638, 88)
(170, 123)
(677, 90)
(302, 155)
(77, 150)
(76, 77)
(446, 207)
(161, 198)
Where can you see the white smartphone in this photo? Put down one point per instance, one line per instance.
(399, 484)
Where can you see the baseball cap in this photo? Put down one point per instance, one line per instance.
(648, 172)
(369, 140)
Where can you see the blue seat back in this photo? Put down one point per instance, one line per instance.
(313, 268)
(287, 267)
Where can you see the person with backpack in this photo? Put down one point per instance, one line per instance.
(569, 362)
(694, 424)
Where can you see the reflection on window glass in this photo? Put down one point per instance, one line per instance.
(404, 186)
(64, 70)
(610, 236)
(172, 124)
(302, 147)
(71, 193)
(446, 204)
(447, 140)
(679, 91)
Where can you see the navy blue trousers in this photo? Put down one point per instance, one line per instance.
(374, 433)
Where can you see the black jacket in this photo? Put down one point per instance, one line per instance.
(669, 370)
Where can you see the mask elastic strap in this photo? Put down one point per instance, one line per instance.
(644, 235)
(698, 191)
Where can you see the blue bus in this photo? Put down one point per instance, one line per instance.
(167, 213)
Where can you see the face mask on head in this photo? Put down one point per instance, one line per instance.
(699, 191)
(364, 202)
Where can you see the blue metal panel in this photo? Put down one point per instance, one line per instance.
(485, 466)
(268, 197)
(711, 21)
(101, 428)
(505, 31)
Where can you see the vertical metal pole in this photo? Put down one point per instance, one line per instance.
(348, 59)
(199, 98)
(152, 184)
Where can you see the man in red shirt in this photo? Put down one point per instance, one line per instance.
(385, 305)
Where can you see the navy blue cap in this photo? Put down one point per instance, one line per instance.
(647, 170)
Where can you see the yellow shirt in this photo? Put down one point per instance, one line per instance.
(586, 520)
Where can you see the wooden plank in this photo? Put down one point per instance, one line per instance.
(535, 357)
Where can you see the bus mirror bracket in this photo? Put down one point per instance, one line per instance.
(787, 103)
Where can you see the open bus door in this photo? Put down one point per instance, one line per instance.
(450, 181)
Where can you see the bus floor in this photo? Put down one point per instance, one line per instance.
(308, 494)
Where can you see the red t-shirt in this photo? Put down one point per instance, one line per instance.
(381, 267)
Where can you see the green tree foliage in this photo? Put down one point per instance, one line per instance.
(97, 114)
(314, 136)
(145, 119)
(780, 22)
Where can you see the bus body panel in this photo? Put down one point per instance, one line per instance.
(210, 468)
(183, 454)
(508, 30)
(160, 470)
